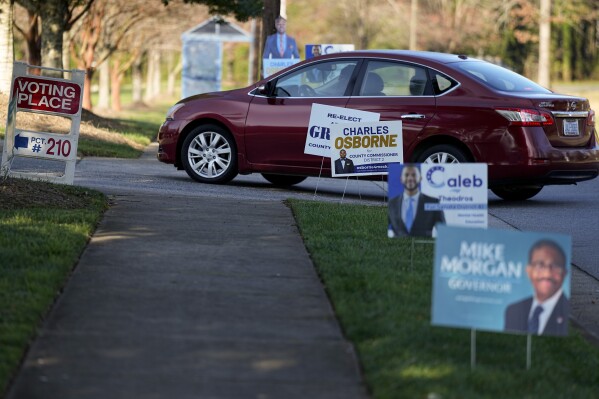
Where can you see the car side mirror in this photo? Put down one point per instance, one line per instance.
(266, 89)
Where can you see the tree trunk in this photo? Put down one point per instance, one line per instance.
(6, 45)
(414, 25)
(545, 44)
(116, 77)
(254, 59)
(149, 76)
(104, 85)
(172, 77)
(87, 89)
(156, 77)
(33, 37)
(52, 34)
(153, 75)
(66, 54)
(567, 52)
(137, 80)
(272, 9)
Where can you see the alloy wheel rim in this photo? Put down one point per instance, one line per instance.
(441, 157)
(209, 155)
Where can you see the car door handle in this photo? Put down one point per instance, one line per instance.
(413, 116)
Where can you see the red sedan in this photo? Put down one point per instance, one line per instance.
(453, 108)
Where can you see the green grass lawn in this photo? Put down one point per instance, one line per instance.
(39, 246)
(383, 302)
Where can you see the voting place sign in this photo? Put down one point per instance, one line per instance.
(47, 95)
(360, 149)
(318, 137)
(491, 279)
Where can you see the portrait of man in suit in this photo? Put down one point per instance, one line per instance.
(343, 164)
(407, 212)
(280, 44)
(546, 312)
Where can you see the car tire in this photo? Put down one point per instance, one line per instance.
(516, 193)
(442, 153)
(283, 180)
(209, 155)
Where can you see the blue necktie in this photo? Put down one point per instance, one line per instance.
(533, 322)
(410, 215)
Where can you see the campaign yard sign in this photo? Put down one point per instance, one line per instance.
(452, 194)
(497, 280)
(318, 137)
(360, 149)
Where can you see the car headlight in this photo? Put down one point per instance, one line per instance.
(170, 114)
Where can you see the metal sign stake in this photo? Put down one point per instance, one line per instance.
(528, 351)
(472, 349)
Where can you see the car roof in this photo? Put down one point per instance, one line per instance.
(443, 58)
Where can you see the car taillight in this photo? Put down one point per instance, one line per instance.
(526, 117)
(591, 118)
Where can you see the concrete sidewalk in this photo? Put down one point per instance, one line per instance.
(186, 297)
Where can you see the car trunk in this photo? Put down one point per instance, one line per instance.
(571, 127)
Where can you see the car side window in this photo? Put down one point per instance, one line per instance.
(442, 83)
(324, 79)
(386, 78)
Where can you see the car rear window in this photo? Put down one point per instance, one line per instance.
(500, 78)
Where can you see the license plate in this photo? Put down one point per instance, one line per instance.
(571, 127)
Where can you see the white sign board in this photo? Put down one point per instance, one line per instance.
(360, 149)
(45, 95)
(319, 127)
(313, 50)
(274, 65)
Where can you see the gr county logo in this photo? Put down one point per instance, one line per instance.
(436, 176)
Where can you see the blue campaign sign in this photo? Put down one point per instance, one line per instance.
(490, 279)
(452, 194)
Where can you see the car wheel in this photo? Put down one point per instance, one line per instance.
(283, 180)
(516, 193)
(209, 155)
(442, 153)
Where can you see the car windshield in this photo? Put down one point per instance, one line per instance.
(501, 78)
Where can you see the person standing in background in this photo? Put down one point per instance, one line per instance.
(280, 44)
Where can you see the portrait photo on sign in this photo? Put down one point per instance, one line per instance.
(411, 212)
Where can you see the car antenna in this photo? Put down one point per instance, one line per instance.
(463, 57)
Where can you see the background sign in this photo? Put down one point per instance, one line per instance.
(274, 65)
(319, 127)
(44, 94)
(369, 147)
(313, 50)
(478, 273)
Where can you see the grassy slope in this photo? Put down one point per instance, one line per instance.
(383, 303)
